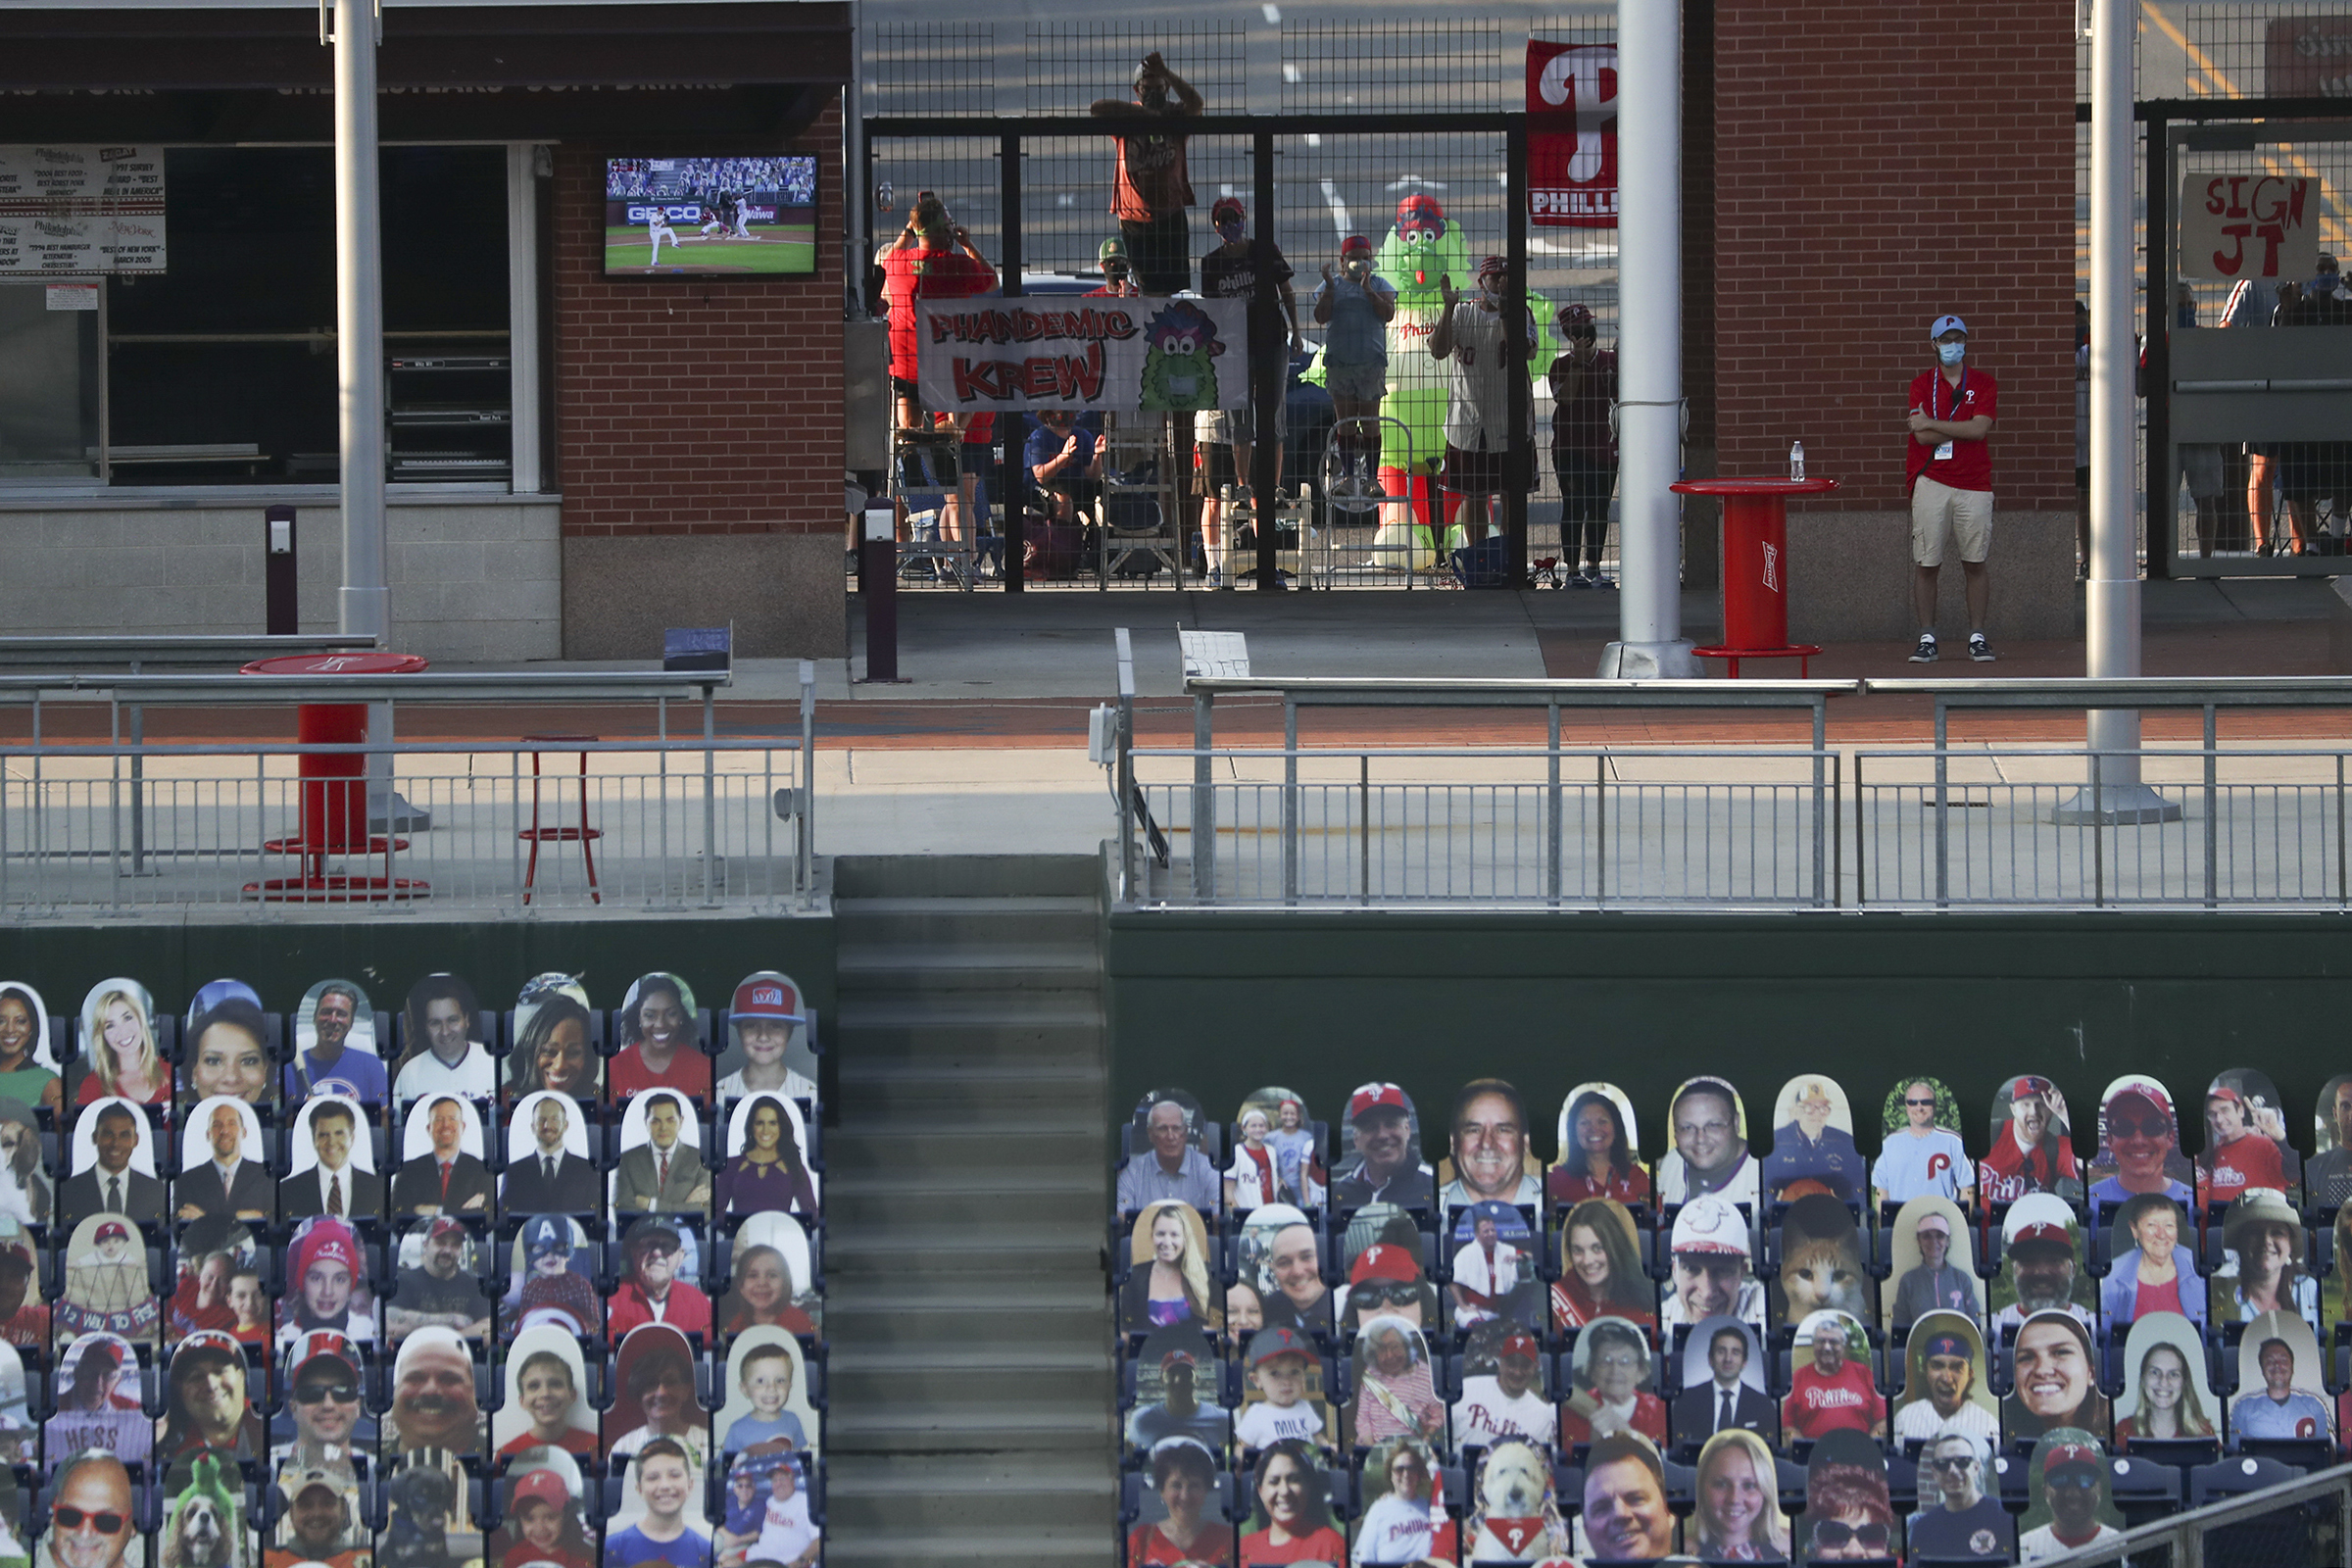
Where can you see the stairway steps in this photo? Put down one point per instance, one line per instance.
(968, 967)
(955, 920)
(972, 1369)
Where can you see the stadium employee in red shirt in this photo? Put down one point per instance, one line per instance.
(1948, 472)
(933, 258)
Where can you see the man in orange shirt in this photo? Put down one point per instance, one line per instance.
(1153, 186)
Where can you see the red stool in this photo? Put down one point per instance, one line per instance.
(582, 835)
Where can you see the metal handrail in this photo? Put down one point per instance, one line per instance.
(18, 653)
(1312, 691)
(2125, 691)
(451, 687)
(428, 686)
(2183, 1533)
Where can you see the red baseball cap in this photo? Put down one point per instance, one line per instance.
(2146, 1089)
(1354, 244)
(1518, 1344)
(542, 1486)
(1383, 1261)
(1376, 1096)
(113, 1229)
(2070, 1456)
(2225, 1091)
(767, 996)
(1267, 1344)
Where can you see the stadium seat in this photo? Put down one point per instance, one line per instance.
(2144, 1487)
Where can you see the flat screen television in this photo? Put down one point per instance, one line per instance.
(711, 217)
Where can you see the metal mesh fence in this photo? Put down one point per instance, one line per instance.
(1452, 63)
(931, 67)
(1326, 188)
(1072, 63)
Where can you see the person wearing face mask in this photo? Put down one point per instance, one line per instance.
(1354, 306)
(1482, 356)
(1583, 447)
(1229, 435)
(1947, 468)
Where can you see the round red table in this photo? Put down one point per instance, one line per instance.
(334, 788)
(1755, 567)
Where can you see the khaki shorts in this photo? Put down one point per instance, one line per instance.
(1937, 509)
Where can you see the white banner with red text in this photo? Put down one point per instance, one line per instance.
(1062, 350)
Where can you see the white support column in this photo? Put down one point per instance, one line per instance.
(1650, 340)
(364, 605)
(522, 314)
(2114, 793)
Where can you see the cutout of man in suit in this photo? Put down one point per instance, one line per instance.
(1701, 1410)
(227, 1185)
(666, 1174)
(444, 1179)
(550, 1179)
(336, 1185)
(110, 1186)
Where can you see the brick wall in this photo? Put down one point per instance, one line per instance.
(700, 405)
(1874, 166)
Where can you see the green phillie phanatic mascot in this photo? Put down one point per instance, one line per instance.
(1424, 246)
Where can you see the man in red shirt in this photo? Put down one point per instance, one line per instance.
(1834, 1394)
(1948, 470)
(2238, 1154)
(1153, 186)
(933, 258)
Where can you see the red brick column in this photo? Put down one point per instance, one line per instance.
(699, 430)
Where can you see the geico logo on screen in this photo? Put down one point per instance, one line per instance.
(686, 211)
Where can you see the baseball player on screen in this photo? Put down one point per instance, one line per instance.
(717, 214)
(658, 229)
(742, 213)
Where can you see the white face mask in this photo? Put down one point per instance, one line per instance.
(1951, 352)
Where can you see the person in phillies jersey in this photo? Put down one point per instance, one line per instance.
(1947, 469)
(2031, 1148)
(1408, 1523)
(1920, 1158)
(2239, 1154)
(1835, 1393)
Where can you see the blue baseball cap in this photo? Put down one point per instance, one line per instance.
(1946, 323)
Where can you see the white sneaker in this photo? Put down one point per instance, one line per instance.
(1925, 653)
(1978, 649)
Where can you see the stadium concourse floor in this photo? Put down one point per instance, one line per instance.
(982, 749)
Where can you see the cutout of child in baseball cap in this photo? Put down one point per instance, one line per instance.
(1284, 1397)
(544, 1519)
(766, 1040)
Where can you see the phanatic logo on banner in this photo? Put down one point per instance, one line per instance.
(974, 356)
(2258, 226)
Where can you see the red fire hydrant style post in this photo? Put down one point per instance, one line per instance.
(334, 790)
(1755, 567)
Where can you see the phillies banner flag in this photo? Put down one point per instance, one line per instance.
(1571, 134)
(1061, 351)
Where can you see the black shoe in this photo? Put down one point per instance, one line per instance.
(1925, 653)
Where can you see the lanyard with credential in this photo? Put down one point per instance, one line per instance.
(1959, 394)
